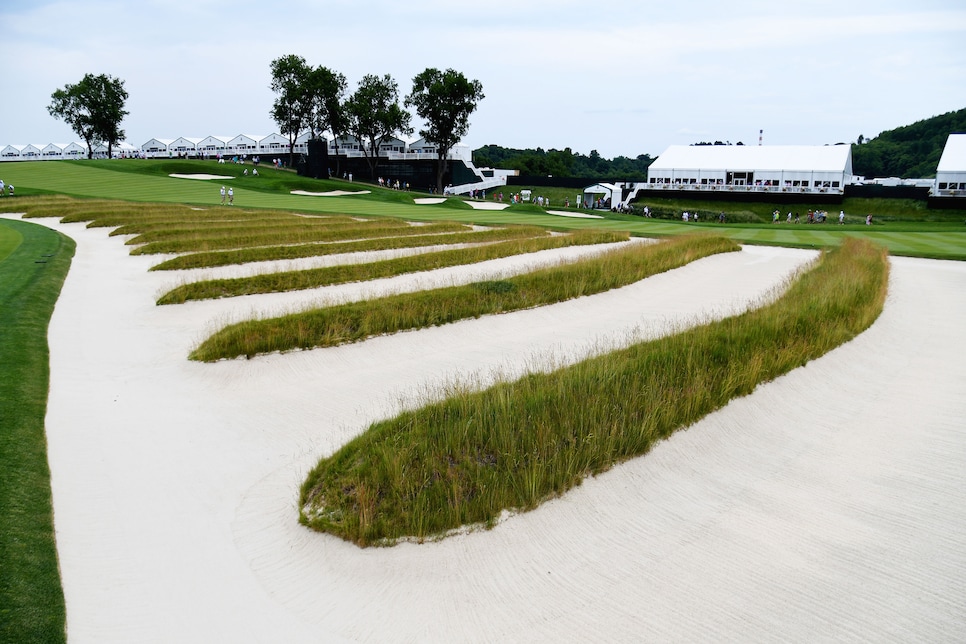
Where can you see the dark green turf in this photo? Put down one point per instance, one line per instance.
(31, 276)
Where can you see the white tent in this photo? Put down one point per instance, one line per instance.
(31, 152)
(11, 152)
(245, 144)
(213, 145)
(273, 144)
(156, 147)
(609, 194)
(75, 150)
(423, 146)
(392, 144)
(798, 168)
(184, 146)
(951, 171)
(53, 151)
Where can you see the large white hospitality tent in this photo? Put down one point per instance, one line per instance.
(781, 167)
(951, 171)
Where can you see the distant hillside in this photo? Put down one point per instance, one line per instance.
(911, 151)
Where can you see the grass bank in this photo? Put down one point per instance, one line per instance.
(31, 276)
(465, 459)
(357, 321)
(341, 274)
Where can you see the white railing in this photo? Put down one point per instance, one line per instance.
(467, 188)
(697, 187)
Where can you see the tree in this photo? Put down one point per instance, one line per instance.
(94, 109)
(327, 102)
(292, 109)
(373, 115)
(445, 101)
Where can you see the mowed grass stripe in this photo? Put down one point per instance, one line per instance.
(31, 276)
(325, 276)
(467, 458)
(10, 239)
(357, 321)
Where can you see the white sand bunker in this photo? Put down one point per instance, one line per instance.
(203, 177)
(578, 215)
(331, 193)
(429, 201)
(486, 205)
(846, 517)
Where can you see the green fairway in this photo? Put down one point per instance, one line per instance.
(9, 240)
(31, 275)
(901, 225)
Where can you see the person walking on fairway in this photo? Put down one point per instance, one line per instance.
(223, 195)
(231, 197)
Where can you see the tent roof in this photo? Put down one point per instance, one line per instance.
(954, 154)
(598, 188)
(824, 158)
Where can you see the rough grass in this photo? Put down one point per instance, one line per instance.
(31, 276)
(267, 253)
(359, 320)
(464, 460)
(312, 278)
(270, 235)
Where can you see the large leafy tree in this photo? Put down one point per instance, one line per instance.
(327, 96)
(292, 109)
(445, 101)
(94, 109)
(373, 115)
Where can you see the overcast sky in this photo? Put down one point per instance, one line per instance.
(624, 77)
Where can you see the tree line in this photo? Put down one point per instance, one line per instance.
(911, 151)
(315, 99)
(562, 163)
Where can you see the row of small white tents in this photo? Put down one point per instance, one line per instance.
(224, 146)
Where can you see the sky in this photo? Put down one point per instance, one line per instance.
(623, 77)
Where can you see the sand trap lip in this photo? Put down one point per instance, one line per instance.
(429, 201)
(577, 215)
(331, 193)
(203, 177)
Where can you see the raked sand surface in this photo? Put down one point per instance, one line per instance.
(829, 505)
